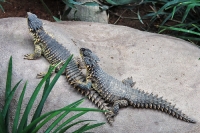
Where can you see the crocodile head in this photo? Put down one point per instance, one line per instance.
(33, 22)
(89, 58)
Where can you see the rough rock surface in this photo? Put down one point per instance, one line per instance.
(87, 13)
(161, 64)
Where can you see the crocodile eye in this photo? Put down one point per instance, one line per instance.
(85, 53)
(82, 49)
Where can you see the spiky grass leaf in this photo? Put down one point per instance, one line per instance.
(56, 19)
(92, 126)
(41, 104)
(9, 78)
(61, 117)
(8, 87)
(48, 87)
(1, 7)
(81, 129)
(8, 100)
(180, 29)
(55, 113)
(2, 124)
(37, 120)
(31, 101)
(167, 5)
(187, 12)
(87, 127)
(46, 7)
(23, 128)
(71, 125)
(173, 12)
(51, 116)
(139, 17)
(17, 113)
(69, 120)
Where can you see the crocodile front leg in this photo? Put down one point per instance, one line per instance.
(37, 53)
(87, 85)
(129, 81)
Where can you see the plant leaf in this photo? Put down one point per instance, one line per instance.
(31, 101)
(56, 19)
(92, 126)
(2, 124)
(69, 120)
(46, 7)
(140, 19)
(17, 113)
(66, 122)
(37, 120)
(71, 125)
(180, 29)
(8, 100)
(8, 88)
(81, 129)
(1, 7)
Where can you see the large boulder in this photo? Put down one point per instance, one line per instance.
(164, 65)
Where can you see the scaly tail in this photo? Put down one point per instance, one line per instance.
(146, 100)
(95, 98)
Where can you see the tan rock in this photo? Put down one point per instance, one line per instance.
(160, 64)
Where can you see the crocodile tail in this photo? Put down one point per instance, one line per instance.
(154, 102)
(95, 98)
(100, 103)
(33, 22)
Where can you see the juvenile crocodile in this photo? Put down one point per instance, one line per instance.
(55, 53)
(119, 94)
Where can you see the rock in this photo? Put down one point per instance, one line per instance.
(87, 13)
(164, 65)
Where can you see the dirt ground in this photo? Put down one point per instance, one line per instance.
(117, 15)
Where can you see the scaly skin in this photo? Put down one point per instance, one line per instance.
(55, 53)
(120, 94)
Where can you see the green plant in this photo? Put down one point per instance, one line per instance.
(72, 4)
(1, 7)
(38, 120)
(181, 17)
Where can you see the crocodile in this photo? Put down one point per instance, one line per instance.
(119, 94)
(56, 53)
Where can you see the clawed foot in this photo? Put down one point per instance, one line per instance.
(75, 82)
(40, 75)
(110, 115)
(29, 57)
(80, 63)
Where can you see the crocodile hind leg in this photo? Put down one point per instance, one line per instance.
(119, 103)
(101, 104)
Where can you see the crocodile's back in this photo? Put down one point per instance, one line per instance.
(52, 50)
(107, 84)
(114, 90)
